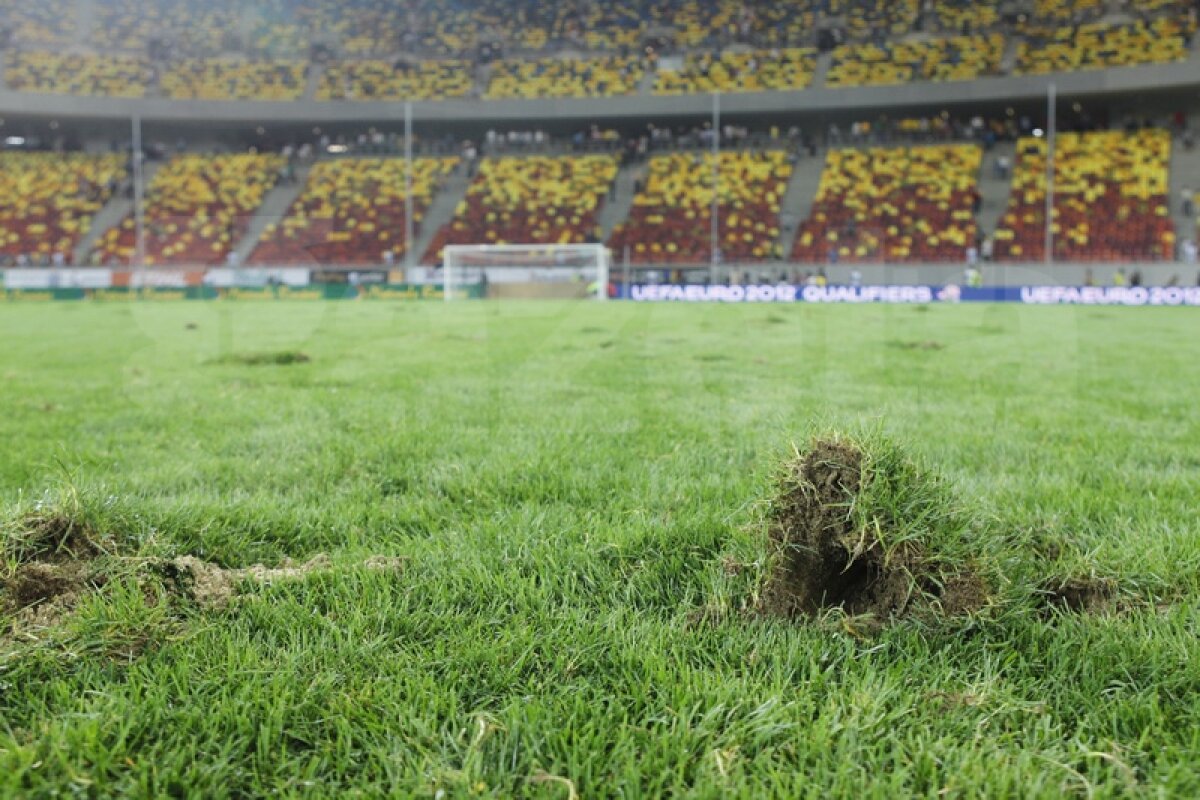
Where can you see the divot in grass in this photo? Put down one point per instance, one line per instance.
(211, 586)
(54, 562)
(928, 345)
(1079, 594)
(281, 358)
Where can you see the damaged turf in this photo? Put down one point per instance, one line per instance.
(55, 562)
(210, 586)
(868, 532)
(1081, 595)
(281, 358)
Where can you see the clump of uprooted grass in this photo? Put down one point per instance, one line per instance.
(857, 525)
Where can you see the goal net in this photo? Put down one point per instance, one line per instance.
(526, 271)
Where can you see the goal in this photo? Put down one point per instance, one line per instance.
(526, 271)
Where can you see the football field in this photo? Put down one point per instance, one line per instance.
(517, 550)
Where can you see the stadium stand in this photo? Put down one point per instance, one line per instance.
(530, 200)
(565, 77)
(189, 28)
(383, 80)
(50, 199)
(279, 37)
(671, 216)
(741, 71)
(867, 18)
(1100, 45)
(56, 73)
(197, 207)
(966, 17)
(1065, 12)
(895, 205)
(42, 23)
(221, 49)
(234, 79)
(352, 211)
(956, 58)
(1111, 199)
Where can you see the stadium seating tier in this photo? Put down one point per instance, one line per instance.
(50, 199)
(197, 208)
(1110, 199)
(352, 211)
(671, 217)
(788, 69)
(530, 200)
(893, 205)
(57, 73)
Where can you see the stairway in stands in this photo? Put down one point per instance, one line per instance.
(1185, 174)
(441, 210)
(86, 11)
(799, 198)
(995, 191)
(273, 209)
(619, 202)
(114, 212)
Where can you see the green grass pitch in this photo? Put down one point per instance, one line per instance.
(576, 493)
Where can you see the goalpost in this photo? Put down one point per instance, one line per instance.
(527, 270)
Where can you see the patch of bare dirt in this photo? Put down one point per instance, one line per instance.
(281, 358)
(1080, 595)
(211, 586)
(54, 560)
(928, 344)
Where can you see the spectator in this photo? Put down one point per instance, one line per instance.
(1189, 251)
(1002, 167)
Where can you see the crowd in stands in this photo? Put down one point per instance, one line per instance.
(175, 28)
(915, 203)
(234, 79)
(49, 202)
(894, 205)
(952, 59)
(197, 208)
(1101, 45)
(740, 71)
(531, 200)
(400, 80)
(435, 49)
(353, 211)
(559, 77)
(671, 218)
(77, 74)
(1110, 199)
(48, 22)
